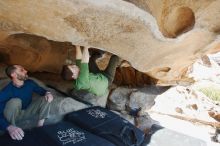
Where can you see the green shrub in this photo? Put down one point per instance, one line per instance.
(211, 92)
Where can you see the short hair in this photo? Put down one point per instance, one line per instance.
(9, 70)
(66, 73)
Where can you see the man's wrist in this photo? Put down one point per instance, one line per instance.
(9, 127)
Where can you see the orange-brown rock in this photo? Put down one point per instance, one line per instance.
(35, 53)
(214, 115)
(128, 76)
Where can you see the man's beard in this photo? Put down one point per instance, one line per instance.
(22, 77)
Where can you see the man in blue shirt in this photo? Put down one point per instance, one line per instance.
(16, 102)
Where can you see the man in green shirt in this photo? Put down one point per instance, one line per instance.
(91, 79)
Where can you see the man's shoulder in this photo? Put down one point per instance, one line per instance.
(29, 81)
(7, 86)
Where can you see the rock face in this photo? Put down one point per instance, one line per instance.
(131, 99)
(158, 37)
(35, 53)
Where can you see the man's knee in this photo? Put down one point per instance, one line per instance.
(12, 109)
(14, 103)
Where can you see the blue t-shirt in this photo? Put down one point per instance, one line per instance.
(24, 93)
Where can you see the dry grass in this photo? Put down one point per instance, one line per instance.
(211, 92)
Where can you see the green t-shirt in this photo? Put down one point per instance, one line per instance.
(94, 83)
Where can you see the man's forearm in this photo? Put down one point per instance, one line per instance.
(85, 55)
(78, 53)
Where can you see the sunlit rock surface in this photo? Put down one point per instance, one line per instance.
(158, 37)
